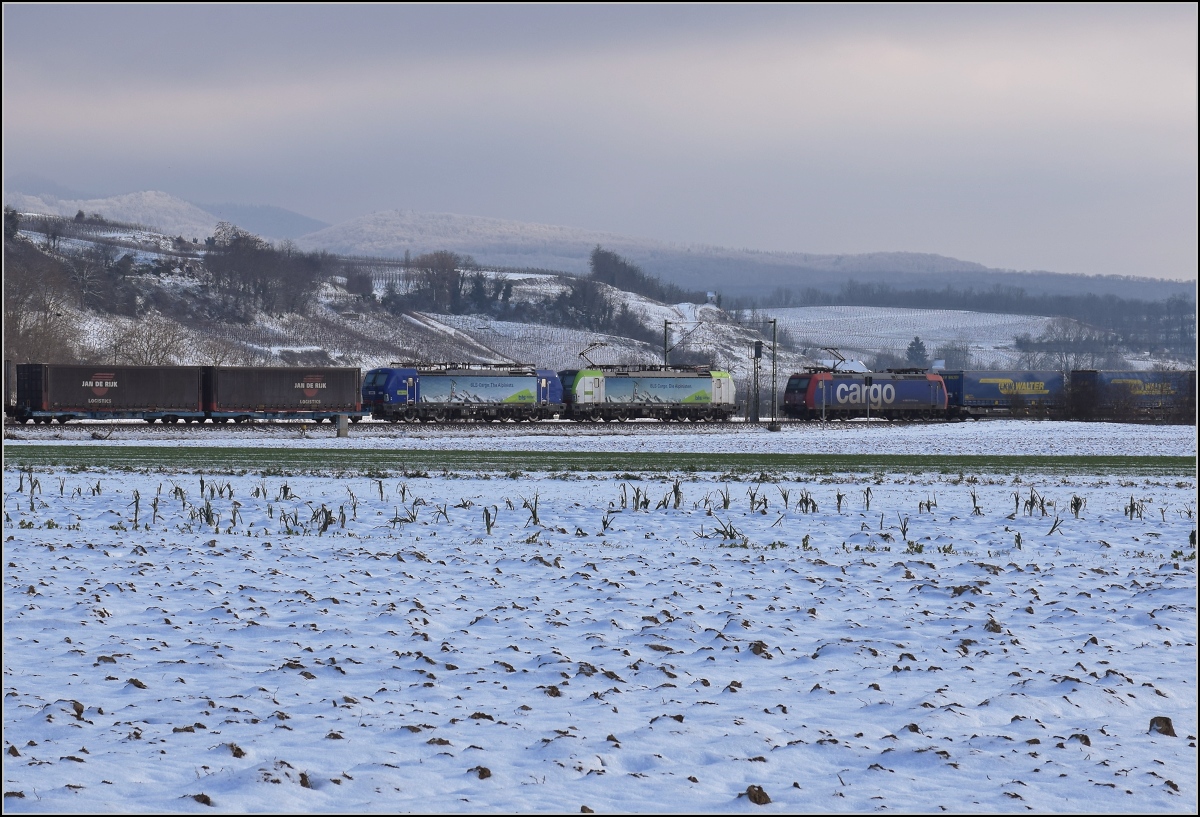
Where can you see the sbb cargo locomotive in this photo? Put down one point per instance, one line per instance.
(892, 395)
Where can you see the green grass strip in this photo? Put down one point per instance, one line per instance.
(324, 460)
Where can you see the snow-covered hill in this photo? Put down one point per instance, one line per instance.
(340, 328)
(502, 242)
(505, 243)
(151, 208)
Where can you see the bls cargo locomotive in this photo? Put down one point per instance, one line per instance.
(442, 393)
(621, 393)
(452, 392)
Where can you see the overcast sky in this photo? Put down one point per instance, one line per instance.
(1032, 137)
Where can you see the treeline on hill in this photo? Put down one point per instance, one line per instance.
(1157, 327)
(237, 275)
(251, 275)
(446, 282)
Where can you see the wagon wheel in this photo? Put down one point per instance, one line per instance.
(410, 415)
(438, 415)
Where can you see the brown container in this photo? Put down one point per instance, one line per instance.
(104, 388)
(281, 388)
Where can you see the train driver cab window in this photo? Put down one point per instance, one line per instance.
(798, 384)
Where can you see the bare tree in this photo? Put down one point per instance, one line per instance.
(86, 270)
(957, 354)
(1067, 345)
(150, 341)
(39, 327)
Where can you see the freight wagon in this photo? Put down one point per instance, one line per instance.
(978, 394)
(1131, 395)
(61, 393)
(445, 393)
(239, 394)
(608, 393)
(891, 395)
(171, 394)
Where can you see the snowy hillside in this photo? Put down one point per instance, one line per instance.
(151, 208)
(502, 242)
(340, 328)
(861, 331)
(507, 243)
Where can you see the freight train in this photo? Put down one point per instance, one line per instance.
(444, 393)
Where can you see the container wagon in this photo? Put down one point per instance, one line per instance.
(243, 393)
(608, 393)
(1133, 395)
(60, 393)
(441, 393)
(891, 395)
(975, 394)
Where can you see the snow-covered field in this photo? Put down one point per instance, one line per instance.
(1015, 437)
(636, 642)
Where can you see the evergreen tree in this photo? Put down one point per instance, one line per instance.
(916, 355)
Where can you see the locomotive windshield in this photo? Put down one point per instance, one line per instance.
(797, 383)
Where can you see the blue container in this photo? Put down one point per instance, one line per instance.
(987, 392)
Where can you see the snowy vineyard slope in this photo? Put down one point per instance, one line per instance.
(862, 331)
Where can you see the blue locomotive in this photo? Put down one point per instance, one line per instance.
(666, 393)
(442, 393)
(890, 395)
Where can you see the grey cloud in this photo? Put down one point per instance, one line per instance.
(1058, 137)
